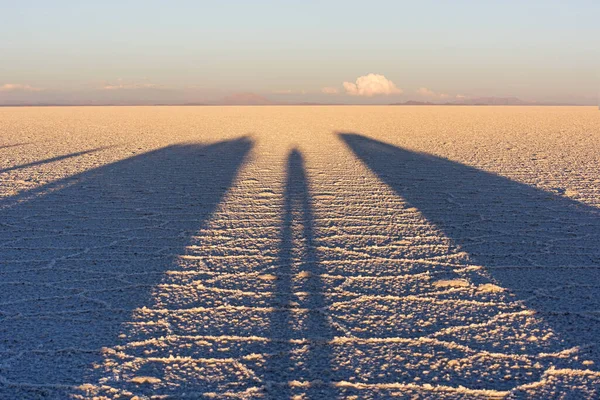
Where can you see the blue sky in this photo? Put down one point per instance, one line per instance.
(84, 51)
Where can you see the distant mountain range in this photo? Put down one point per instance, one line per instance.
(253, 99)
(482, 101)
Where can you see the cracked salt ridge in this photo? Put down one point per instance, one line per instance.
(507, 350)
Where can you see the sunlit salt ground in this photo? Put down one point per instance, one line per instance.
(300, 252)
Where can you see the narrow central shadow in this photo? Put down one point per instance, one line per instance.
(543, 248)
(301, 331)
(79, 255)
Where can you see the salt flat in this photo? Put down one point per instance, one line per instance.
(300, 252)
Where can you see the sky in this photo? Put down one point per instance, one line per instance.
(332, 51)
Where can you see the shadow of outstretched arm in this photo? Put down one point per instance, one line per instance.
(54, 159)
(8, 146)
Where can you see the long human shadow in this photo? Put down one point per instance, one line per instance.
(542, 247)
(303, 319)
(79, 255)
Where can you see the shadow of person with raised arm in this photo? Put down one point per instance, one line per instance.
(542, 247)
(79, 255)
(300, 331)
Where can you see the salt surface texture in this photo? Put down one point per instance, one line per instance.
(282, 252)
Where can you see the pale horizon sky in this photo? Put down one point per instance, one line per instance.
(312, 51)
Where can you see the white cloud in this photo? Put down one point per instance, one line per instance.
(16, 87)
(431, 94)
(129, 85)
(289, 91)
(425, 92)
(371, 85)
(329, 90)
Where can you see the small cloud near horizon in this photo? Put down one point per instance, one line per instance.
(371, 85)
(289, 91)
(130, 85)
(428, 93)
(431, 94)
(17, 87)
(329, 90)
